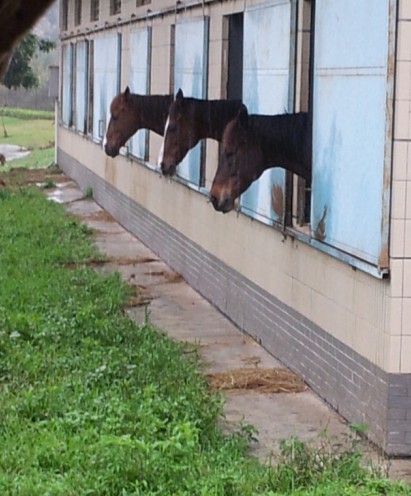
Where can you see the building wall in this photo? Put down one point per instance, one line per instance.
(347, 331)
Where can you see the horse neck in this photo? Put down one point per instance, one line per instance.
(285, 141)
(151, 111)
(211, 116)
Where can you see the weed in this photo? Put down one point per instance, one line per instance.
(89, 192)
(48, 184)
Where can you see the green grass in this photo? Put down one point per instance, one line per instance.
(34, 133)
(92, 404)
(22, 113)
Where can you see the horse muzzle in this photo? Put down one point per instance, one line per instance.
(111, 151)
(223, 205)
(168, 170)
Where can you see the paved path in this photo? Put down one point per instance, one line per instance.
(11, 152)
(183, 314)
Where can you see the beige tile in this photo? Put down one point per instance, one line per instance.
(398, 197)
(404, 11)
(403, 80)
(369, 303)
(402, 119)
(406, 317)
(408, 200)
(405, 355)
(318, 305)
(395, 317)
(397, 278)
(408, 160)
(404, 40)
(340, 288)
(394, 354)
(301, 297)
(407, 279)
(397, 236)
(407, 239)
(365, 340)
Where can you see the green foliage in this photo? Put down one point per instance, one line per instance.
(94, 405)
(89, 192)
(20, 72)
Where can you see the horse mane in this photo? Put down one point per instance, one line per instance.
(150, 107)
(211, 115)
(285, 139)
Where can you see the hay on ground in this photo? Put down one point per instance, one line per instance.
(263, 380)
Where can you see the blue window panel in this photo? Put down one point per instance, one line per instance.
(140, 41)
(81, 86)
(67, 84)
(266, 89)
(106, 80)
(190, 74)
(350, 192)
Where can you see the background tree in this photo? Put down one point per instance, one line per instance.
(20, 72)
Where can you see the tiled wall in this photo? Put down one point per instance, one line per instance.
(400, 247)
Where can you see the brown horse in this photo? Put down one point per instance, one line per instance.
(189, 120)
(131, 112)
(253, 143)
(16, 17)
(2, 159)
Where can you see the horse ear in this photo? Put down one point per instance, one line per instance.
(127, 92)
(243, 115)
(179, 95)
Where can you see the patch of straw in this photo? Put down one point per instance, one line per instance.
(262, 380)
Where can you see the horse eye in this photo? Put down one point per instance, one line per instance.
(172, 128)
(114, 117)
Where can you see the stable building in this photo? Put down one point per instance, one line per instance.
(319, 273)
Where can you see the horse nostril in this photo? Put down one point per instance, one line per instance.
(214, 201)
(224, 206)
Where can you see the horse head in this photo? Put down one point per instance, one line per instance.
(124, 122)
(238, 164)
(179, 134)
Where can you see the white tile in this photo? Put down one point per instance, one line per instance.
(402, 119)
(406, 317)
(404, 11)
(398, 199)
(407, 279)
(397, 278)
(397, 236)
(394, 354)
(400, 160)
(407, 239)
(395, 317)
(408, 200)
(404, 40)
(405, 355)
(403, 80)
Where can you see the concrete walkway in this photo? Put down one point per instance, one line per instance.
(12, 152)
(183, 314)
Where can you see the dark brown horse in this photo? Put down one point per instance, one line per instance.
(253, 143)
(131, 112)
(189, 121)
(16, 18)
